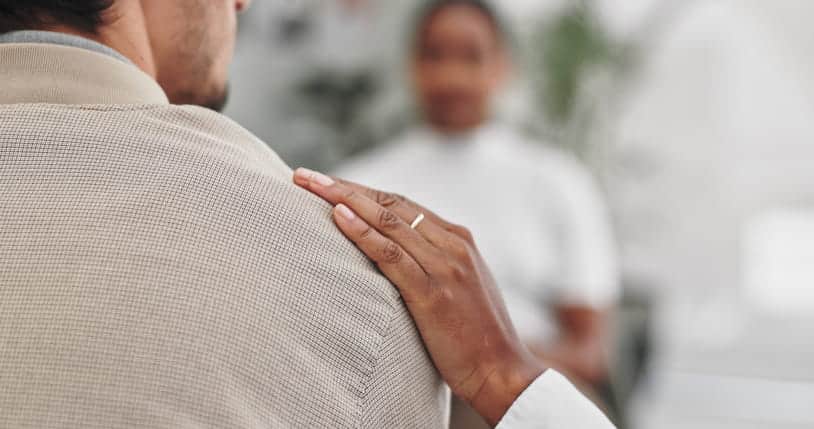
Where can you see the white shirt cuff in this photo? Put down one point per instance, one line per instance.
(552, 402)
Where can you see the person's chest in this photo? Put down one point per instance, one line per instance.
(514, 222)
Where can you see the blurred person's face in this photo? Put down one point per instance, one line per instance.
(193, 42)
(459, 63)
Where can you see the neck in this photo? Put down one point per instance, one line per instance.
(126, 32)
(458, 134)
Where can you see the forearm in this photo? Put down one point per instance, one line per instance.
(581, 349)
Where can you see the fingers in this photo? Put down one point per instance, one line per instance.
(435, 229)
(385, 221)
(391, 201)
(409, 212)
(409, 209)
(392, 260)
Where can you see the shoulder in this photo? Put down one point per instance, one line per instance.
(564, 168)
(357, 324)
(557, 176)
(191, 131)
(214, 133)
(543, 159)
(184, 200)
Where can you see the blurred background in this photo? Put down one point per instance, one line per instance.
(695, 116)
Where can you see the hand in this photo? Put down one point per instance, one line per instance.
(446, 286)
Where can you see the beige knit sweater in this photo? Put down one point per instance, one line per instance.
(159, 270)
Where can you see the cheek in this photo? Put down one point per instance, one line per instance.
(222, 36)
(482, 84)
(423, 81)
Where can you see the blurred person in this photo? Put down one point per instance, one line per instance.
(537, 214)
(159, 269)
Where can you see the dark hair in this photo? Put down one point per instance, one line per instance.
(432, 7)
(83, 15)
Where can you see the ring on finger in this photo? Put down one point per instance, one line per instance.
(420, 218)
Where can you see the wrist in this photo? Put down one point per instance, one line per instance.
(505, 383)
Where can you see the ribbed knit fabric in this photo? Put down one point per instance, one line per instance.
(158, 269)
(62, 39)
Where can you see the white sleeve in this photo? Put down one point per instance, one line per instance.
(552, 402)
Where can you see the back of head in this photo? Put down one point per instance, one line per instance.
(186, 45)
(83, 15)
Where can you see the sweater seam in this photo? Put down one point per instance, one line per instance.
(367, 379)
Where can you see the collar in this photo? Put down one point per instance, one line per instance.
(482, 135)
(67, 74)
(55, 38)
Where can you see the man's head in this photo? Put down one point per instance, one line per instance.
(186, 44)
(460, 60)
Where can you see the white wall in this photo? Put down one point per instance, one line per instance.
(724, 108)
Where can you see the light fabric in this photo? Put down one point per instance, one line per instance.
(63, 39)
(536, 214)
(158, 269)
(551, 402)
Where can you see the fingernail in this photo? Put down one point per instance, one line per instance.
(315, 176)
(345, 212)
(303, 173)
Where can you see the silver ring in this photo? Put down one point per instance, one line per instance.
(417, 221)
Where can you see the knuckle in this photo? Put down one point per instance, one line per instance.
(392, 253)
(388, 219)
(461, 250)
(458, 249)
(459, 273)
(387, 199)
(348, 194)
(455, 272)
(463, 232)
(371, 193)
(364, 235)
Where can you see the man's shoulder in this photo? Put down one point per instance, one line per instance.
(234, 282)
(165, 163)
(181, 129)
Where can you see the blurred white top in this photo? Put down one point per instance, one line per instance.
(535, 213)
(552, 402)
